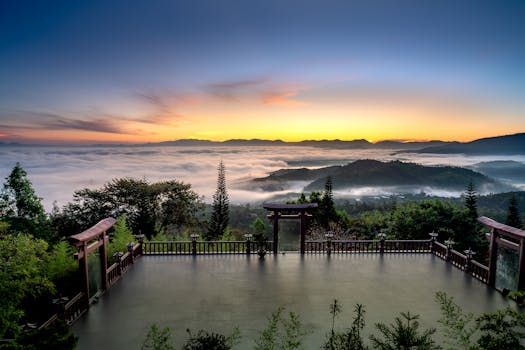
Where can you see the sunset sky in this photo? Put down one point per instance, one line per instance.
(148, 71)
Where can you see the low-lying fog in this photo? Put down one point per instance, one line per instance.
(56, 172)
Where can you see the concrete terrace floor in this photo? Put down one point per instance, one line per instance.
(220, 292)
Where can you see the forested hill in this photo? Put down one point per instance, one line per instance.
(509, 144)
(375, 173)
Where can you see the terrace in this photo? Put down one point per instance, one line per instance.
(219, 285)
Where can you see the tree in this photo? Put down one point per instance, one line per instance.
(220, 209)
(457, 326)
(513, 216)
(158, 339)
(503, 329)
(204, 340)
(351, 339)
(471, 201)
(149, 207)
(23, 280)
(327, 212)
(21, 208)
(404, 334)
(121, 237)
(281, 333)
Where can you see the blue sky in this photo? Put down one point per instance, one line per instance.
(127, 71)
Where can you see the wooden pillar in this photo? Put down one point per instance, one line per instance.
(102, 252)
(275, 232)
(493, 257)
(521, 269)
(302, 227)
(84, 271)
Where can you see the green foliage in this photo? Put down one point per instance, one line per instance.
(55, 336)
(61, 264)
(404, 334)
(158, 339)
(351, 339)
(220, 208)
(23, 280)
(122, 235)
(204, 340)
(513, 216)
(19, 198)
(258, 228)
(503, 329)
(281, 333)
(149, 207)
(471, 200)
(21, 208)
(458, 327)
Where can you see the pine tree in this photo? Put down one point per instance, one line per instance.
(513, 217)
(221, 209)
(471, 201)
(22, 209)
(326, 206)
(19, 198)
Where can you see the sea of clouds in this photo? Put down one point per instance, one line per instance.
(57, 171)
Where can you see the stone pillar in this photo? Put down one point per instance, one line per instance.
(493, 257)
(103, 262)
(275, 232)
(302, 227)
(521, 268)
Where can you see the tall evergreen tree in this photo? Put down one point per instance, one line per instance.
(221, 206)
(22, 209)
(513, 216)
(19, 198)
(471, 201)
(326, 206)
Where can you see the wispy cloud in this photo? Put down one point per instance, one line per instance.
(232, 89)
(284, 99)
(31, 120)
(164, 107)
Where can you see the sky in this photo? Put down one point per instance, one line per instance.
(129, 71)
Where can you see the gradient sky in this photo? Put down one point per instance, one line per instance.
(130, 71)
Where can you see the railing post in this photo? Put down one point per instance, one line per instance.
(329, 237)
(449, 244)
(433, 235)
(130, 251)
(468, 264)
(117, 257)
(194, 237)
(140, 239)
(382, 237)
(248, 237)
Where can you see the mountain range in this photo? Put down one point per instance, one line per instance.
(507, 144)
(367, 172)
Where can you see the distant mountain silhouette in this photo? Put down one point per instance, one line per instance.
(338, 144)
(368, 172)
(501, 169)
(508, 144)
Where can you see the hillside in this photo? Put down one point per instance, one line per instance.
(508, 144)
(367, 172)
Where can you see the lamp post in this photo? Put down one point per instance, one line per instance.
(382, 237)
(468, 264)
(248, 237)
(433, 235)
(194, 237)
(329, 236)
(449, 244)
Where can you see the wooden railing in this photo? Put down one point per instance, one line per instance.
(479, 271)
(113, 273)
(207, 247)
(75, 308)
(367, 246)
(439, 250)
